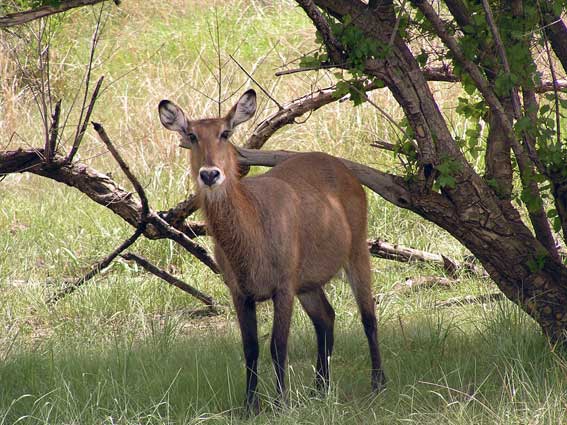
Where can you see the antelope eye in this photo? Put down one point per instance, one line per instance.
(225, 134)
(192, 137)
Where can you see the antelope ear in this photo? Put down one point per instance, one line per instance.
(172, 117)
(244, 109)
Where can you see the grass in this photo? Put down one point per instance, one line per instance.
(129, 349)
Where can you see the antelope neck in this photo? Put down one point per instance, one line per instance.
(233, 218)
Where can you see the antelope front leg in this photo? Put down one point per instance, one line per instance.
(283, 307)
(246, 312)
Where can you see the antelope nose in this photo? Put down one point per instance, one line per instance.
(210, 176)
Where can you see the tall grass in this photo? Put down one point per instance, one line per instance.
(128, 349)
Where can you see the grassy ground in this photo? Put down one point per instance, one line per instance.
(129, 349)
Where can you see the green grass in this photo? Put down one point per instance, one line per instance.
(129, 349)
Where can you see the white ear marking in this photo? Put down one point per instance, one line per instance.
(172, 117)
(244, 108)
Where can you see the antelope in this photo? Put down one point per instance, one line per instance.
(278, 235)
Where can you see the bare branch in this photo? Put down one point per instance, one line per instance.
(389, 251)
(126, 169)
(292, 110)
(472, 299)
(333, 46)
(389, 186)
(183, 240)
(97, 186)
(98, 267)
(50, 146)
(382, 144)
(181, 211)
(20, 18)
(256, 82)
(307, 68)
(170, 232)
(178, 283)
(83, 127)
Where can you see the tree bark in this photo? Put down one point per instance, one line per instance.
(493, 231)
(19, 18)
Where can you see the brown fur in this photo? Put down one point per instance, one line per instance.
(283, 234)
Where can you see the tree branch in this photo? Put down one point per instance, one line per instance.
(50, 146)
(334, 48)
(98, 267)
(388, 251)
(147, 216)
(20, 18)
(292, 110)
(83, 127)
(390, 187)
(479, 80)
(178, 283)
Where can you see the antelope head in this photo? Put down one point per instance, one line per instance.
(213, 158)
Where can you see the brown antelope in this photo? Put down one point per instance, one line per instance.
(282, 234)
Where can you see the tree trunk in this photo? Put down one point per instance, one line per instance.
(471, 211)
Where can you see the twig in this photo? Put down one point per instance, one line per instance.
(381, 144)
(53, 133)
(256, 82)
(20, 18)
(554, 81)
(502, 53)
(388, 117)
(204, 298)
(82, 125)
(83, 128)
(98, 267)
(308, 68)
(183, 240)
(135, 182)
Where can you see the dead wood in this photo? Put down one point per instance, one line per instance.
(386, 250)
(97, 268)
(147, 216)
(472, 299)
(292, 110)
(178, 283)
(20, 18)
(412, 284)
(99, 187)
(83, 127)
(51, 142)
(171, 224)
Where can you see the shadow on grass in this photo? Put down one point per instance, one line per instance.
(493, 367)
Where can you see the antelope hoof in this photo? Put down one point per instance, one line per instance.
(378, 381)
(252, 407)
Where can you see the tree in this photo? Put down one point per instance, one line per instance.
(490, 46)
